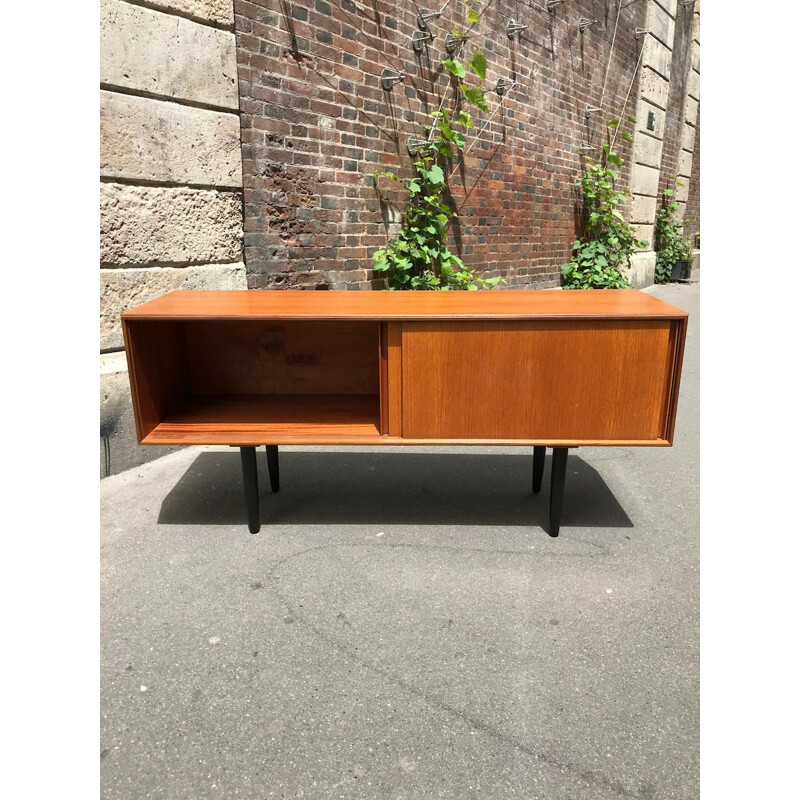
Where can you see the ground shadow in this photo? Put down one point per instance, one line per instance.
(390, 488)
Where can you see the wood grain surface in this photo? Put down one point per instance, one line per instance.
(508, 367)
(250, 419)
(395, 378)
(273, 357)
(383, 306)
(602, 380)
(158, 368)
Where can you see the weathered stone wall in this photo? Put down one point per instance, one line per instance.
(666, 115)
(692, 214)
(171, 177)
(689, 157)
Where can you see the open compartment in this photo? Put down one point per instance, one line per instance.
(249, 382)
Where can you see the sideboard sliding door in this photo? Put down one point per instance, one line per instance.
(603, 380)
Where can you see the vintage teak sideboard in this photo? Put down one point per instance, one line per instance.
(539, 368)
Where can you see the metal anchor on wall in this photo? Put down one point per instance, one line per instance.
(452, 43)
(414, 144)
(514, 27)
(585, 23)
(503, 85)
(424, 17)
(418, 39)
(591, 110)
(389, 77)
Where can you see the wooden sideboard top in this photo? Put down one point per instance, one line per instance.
(503, 304)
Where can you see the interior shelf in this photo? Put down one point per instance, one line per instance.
(268, 418)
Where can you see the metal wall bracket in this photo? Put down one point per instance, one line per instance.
(514, 27)
(414, 145)
(418, 39)
(551, 4)
(585, 23)
(452, 43)
(503, 85)
(591, 110)
(641, 32)
(424, 17)
(389, 77)
(586, 148)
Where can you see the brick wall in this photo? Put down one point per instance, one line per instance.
(316, 125)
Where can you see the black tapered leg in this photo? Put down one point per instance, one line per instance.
(557, 480)
(250, 481)
(538, 467)
(272, 463)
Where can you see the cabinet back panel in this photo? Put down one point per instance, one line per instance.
(270, 357)
(561, 380)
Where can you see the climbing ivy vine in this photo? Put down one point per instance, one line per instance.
(607, 241)
(419, 258)
(671, 245)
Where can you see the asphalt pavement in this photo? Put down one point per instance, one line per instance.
(403, 627)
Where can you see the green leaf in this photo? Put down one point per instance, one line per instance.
(456, 67)
(476, 98)
(465, 119)
(478, 65)
(473, 16)
(613, 123)
(435, 174)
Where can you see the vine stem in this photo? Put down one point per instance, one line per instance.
(610, 53)
(477, 138)
(439, 111)
(633, 79)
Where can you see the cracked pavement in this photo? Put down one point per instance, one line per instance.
(402, 627)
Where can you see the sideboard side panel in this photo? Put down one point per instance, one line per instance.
(560, 380)
(157, 367)
(679, 335)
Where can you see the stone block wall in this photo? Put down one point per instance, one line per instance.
(692, 214)
(667, 101)
(689, 162)
(316, 125)
(171, 177)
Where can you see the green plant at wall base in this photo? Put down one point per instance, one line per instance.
(671, 245)
(608, 241)
(419, 257)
